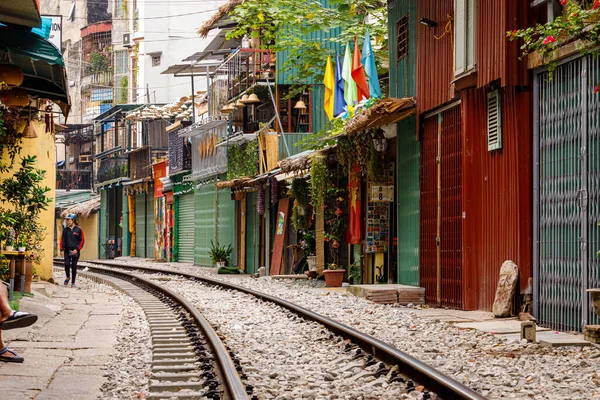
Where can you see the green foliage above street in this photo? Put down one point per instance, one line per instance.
(242, 160)
(287, 25)
(579, 22)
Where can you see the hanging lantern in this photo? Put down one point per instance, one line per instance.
(15, 97)
(244, 98)
(239, 104)
(253, 98)
(11, 75)
(29, 131)
(300, 105)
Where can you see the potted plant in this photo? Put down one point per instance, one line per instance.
(21, 242)
(309, 245)
(334, 276)
(9, 244)
(220, 254)
(354, 274)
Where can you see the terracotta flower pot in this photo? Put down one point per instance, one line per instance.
(334, 277)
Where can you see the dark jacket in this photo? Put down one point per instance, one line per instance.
(72, 238)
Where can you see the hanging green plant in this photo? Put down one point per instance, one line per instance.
(319, 180)
(301, 191)
(242, 160)
(376, 162)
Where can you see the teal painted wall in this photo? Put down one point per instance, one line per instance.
(286, 77)
(409, 162)
(125, 246)
(320, 119)
(403, 74)
(102, 222)
(252, 234)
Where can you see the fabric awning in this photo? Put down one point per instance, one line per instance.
(42, 64)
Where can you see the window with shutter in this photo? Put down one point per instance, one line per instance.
(494, 117)
(464, 36)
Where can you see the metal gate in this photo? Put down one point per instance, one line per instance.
(185, 226)
(441, 209)
(566, 190)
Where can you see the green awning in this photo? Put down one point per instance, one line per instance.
(41, 62)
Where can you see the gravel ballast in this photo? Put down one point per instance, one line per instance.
(491, 364)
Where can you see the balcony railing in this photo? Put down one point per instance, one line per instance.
(97, 80)
(74, 179)
(112, 168)
(245, 68)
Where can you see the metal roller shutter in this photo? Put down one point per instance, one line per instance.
(226, 226)
(205, 223)
(185, 222)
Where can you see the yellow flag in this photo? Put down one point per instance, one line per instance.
(329, 82)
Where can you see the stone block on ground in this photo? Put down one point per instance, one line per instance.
(592, 333)
(505, 292)
(389, 294)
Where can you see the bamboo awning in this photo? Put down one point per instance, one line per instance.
(384, 112)
(233, 183)
(224, 10)
(84, 209)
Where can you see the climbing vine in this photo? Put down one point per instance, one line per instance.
(578, 24)
(242, 160)
(319, 180)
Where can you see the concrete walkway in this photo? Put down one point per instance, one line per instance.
(66, 349)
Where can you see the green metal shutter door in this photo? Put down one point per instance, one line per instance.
(185, 221)
(150, 224)
(102, 222)
(408, 156)
(205, 223)
(252, 238)
(140, 225)
(226, 233)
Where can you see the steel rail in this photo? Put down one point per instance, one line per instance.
(235, 389)
(445, 386)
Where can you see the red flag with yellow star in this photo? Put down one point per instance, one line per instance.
(354, 206)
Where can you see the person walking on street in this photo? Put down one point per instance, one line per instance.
(71, 243)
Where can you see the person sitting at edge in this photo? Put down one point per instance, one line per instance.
(11, 319)
(71, 242)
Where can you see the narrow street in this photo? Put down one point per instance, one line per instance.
(281, 200)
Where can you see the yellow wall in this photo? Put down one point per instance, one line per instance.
(90, 232)
(44, 148)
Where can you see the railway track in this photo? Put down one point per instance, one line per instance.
(189, 361)
(380, 358)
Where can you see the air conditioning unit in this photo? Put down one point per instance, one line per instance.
(127, 42)
(85, 158)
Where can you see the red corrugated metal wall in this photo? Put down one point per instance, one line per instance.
(451, 237)
(497, 57)
(428, 210)
(497, 191)
(451, 208)
(434, 57)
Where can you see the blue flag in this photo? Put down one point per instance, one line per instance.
(368, 60)
(338, 98)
